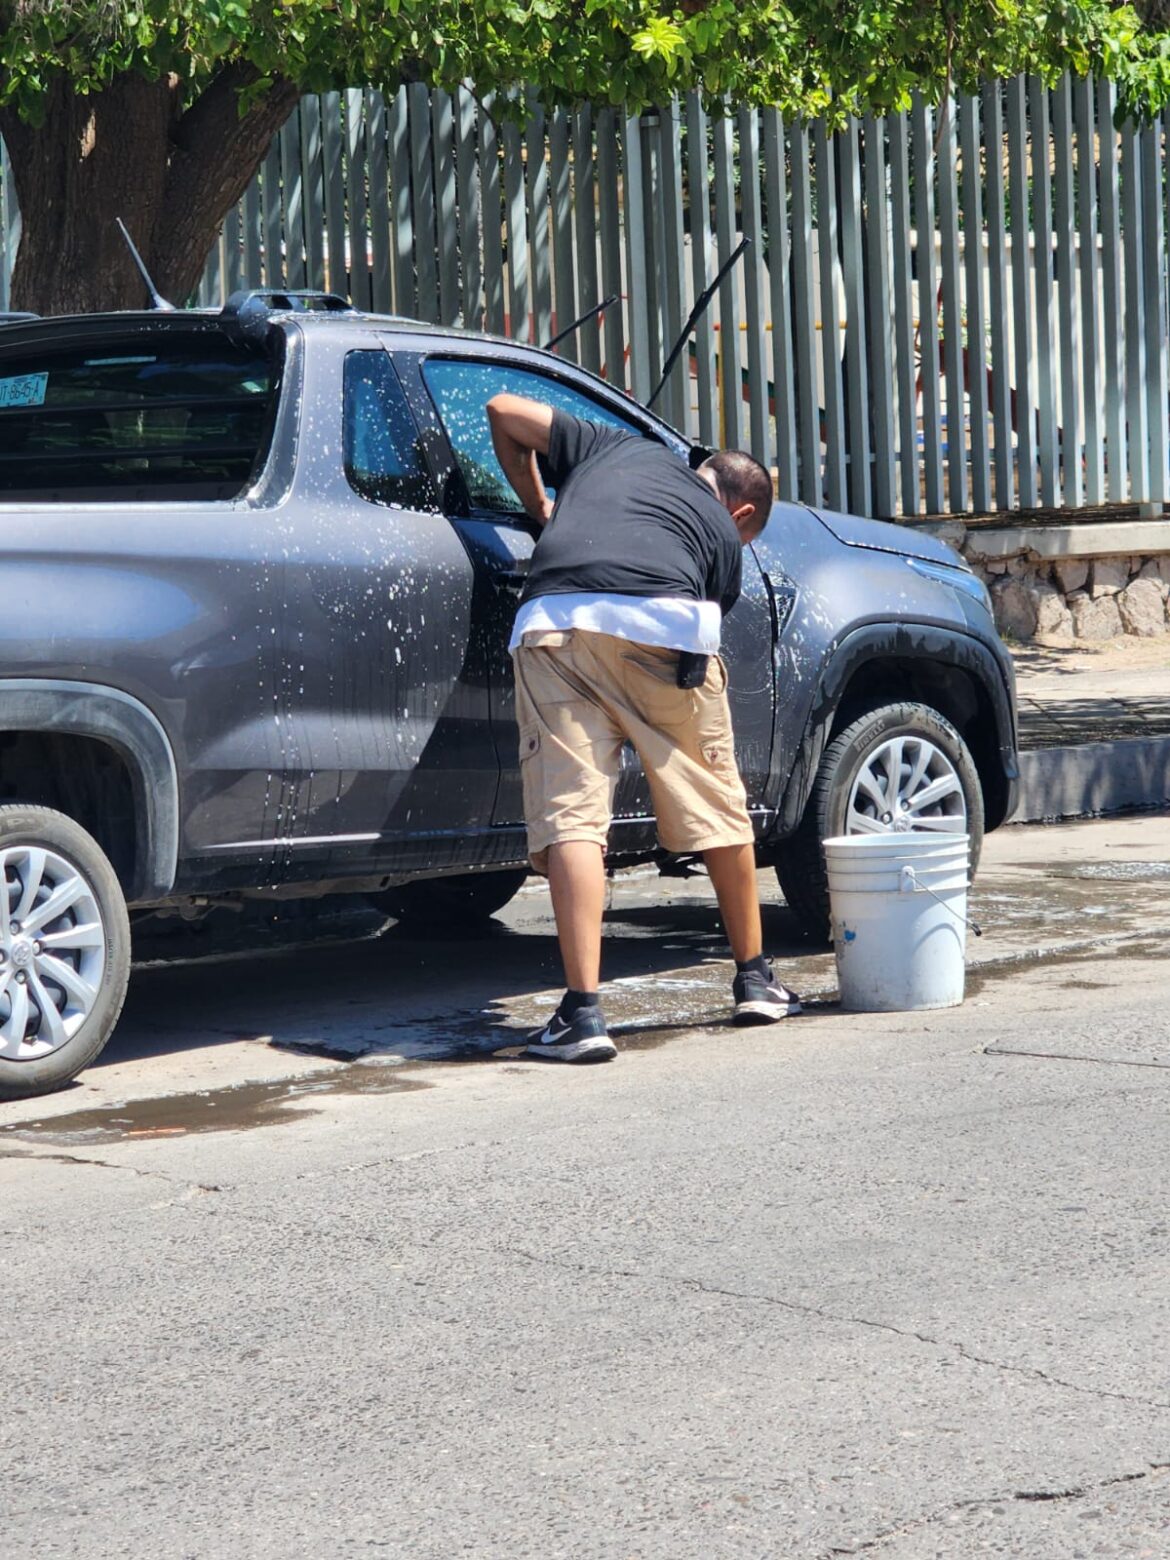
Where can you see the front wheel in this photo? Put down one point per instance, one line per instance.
(64, 950)
(901, 768)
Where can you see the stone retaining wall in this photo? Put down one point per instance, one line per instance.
(1071, 597)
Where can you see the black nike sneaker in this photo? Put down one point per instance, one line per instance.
(583, 1038)
(762, 1000)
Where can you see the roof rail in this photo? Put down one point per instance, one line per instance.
(16, 316)
(247, 311)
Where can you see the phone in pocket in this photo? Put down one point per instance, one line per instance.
(692, 669)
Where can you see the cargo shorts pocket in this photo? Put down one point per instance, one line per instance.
(651, 677)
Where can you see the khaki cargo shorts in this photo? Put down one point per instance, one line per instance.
(579, 696)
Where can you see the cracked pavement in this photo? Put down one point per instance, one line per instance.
(892, 1284)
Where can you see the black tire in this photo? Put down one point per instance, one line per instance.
(450, 900)
(801, 868)
(104, 967)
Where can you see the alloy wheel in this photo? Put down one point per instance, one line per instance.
(52, 951)
(906, 784)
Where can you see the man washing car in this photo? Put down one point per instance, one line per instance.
(617, 639)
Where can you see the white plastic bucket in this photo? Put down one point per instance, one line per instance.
(899, 905)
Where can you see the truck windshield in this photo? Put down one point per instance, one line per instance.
(171, 417)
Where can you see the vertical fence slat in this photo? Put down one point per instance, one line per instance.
(637, 258)
(730, 384)
(467, 179)
(422, 189)
(1042, 278)
(609, 230)
(998, 294)
(314, 192)
(1068, 322)
(824, 161)
(357, 220)
(638, 305)
(381, 124)
(446, 216)
(903, 271)
(516, 213)
(1022, 336)
(253, 235)
(1154, 256)
(879, 305)
(387, 147)
(676, 407)
(273, 217)
(1133, 245)
(952, 309)
(701, 262)
(779, 274)
(654, 240)
(922, 119)
(1112, 312)
(753, 281)
(538, 227)
(803, 288)
(585, 211)
(292, 185)
(1090, 367)
(561, 193)
(233, 259)
(857, 407)
(493, 241)
(337, 268)
(975, 272)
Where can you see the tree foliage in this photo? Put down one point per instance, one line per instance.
(161, 110)
(807, 56)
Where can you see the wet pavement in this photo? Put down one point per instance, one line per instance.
(226, 1040)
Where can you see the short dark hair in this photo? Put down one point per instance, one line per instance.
(741, 479)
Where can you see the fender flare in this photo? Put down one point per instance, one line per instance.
(136, 735)
(900, 641)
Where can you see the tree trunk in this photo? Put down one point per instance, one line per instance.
(129, 152)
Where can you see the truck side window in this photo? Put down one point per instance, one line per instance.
(461, 390)
(159, 416)
(383, 461)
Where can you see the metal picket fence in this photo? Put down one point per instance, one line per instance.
(951, 310)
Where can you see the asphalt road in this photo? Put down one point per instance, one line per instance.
(883, 1284)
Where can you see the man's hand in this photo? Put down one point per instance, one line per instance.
(520, 431)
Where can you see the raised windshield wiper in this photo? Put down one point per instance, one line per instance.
(704, 299)
(576, 325)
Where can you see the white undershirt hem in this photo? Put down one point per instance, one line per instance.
(669, 622)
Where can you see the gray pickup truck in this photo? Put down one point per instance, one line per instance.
(258, 569)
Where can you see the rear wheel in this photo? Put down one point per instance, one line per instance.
(64, 950)
(901, 768)
(472, 897)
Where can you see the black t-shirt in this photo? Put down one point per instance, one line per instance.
(630, 519)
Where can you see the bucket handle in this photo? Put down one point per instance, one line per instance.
(908, 884)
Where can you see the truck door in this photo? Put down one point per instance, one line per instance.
(388, 740)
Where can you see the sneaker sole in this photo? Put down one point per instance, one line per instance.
(764, 1012)
(595, 1049)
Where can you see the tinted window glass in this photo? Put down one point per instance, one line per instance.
(461, 391)
(383, 461)
(175, 417)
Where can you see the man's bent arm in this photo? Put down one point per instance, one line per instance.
(520, 431)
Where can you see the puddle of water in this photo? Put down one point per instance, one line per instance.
(1123, 871)
(226, 1110)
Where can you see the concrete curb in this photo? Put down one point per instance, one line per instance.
(1098, 777)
